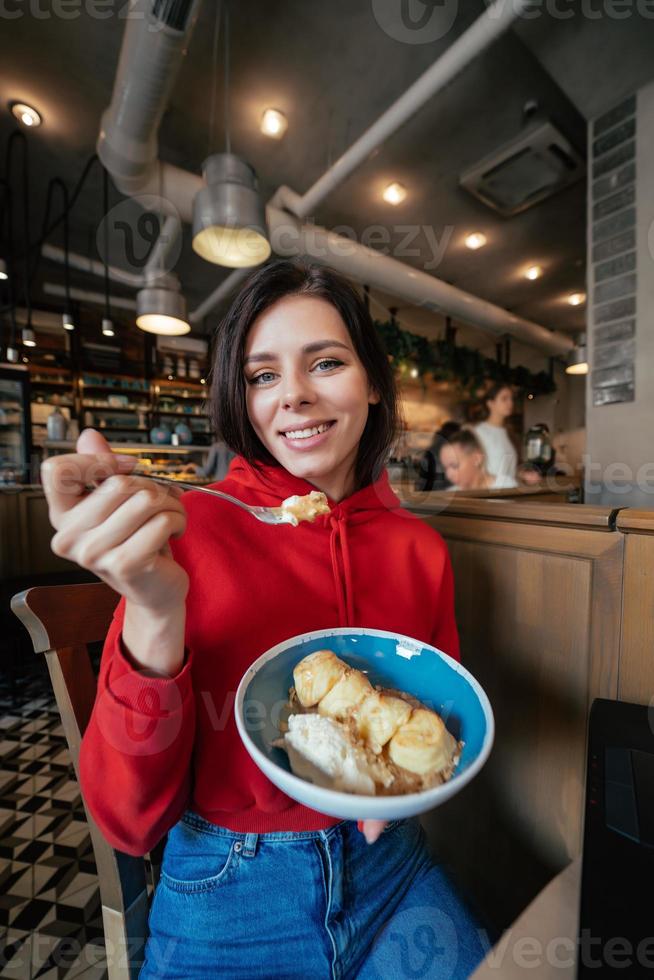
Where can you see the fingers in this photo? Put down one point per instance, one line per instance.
(93, 442)
(111, 515)
(65, 477)
(144, 550)
(371, 829)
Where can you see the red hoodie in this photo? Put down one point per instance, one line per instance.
(156, 745)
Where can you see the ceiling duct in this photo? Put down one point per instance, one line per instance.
(533, 166)
(175, 14)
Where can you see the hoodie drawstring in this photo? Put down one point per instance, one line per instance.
(343, 582)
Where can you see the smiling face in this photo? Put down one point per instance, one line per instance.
(302, 373)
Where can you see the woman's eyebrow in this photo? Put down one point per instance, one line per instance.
(312, 348)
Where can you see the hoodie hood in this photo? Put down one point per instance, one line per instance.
(270, 484)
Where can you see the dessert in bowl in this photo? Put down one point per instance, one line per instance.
(390, 726)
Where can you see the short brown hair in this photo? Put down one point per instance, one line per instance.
(285, 277)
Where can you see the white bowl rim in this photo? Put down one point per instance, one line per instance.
(436, 793)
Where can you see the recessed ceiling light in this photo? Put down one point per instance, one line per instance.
(274, 123)
(534, 272)
(25, 114)
(576, 299)
(394, 193)
(476, 240)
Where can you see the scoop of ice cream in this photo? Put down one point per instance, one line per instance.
(304, 508)
(320, 751)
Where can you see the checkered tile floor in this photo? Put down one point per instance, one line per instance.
(50, 920)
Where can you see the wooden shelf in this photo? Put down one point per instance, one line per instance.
(182, 415)
(51, 384)
(179, 383)
(117, 408)
(115, 388)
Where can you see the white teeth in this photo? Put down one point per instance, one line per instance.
(305, 433)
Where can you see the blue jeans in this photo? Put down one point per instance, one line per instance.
(307, 904)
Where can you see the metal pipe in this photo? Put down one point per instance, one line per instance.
(222, 292)
(94, 268)
(156, 264)
(87, 296)
(365, 265)
(495, 20)
(153, 48)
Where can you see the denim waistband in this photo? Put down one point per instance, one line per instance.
(192, 819)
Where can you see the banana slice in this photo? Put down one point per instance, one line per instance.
(423, 744)
(315, 676)
(379, 716)
(351, 688)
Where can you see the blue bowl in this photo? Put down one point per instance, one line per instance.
(389, 659)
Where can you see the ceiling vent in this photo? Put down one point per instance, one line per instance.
(532, 167)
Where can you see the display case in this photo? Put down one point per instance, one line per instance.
(15, 435)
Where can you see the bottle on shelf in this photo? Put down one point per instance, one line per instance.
(56, 425)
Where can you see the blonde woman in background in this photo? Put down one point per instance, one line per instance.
(464, 462)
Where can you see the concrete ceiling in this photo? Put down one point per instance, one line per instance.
(333, 70)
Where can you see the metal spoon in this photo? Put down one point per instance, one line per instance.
(267, 515)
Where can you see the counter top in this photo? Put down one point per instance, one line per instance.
(131, 447)
(515, 510)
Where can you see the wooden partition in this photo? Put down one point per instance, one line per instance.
(539, 607)
(25, 535)
(636, 675)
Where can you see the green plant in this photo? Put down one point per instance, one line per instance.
(446, 361)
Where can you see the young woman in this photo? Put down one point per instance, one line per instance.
(464, 463)
(501, 456)
(254, 884)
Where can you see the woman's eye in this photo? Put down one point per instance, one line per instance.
(258, 377)
(331, 361)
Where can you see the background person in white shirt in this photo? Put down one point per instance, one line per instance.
(501, 455)
(464, 462)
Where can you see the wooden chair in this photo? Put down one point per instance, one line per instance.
(62, 621)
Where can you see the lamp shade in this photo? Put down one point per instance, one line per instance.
(229, 223)
(161, 311)
(4, 272)
(28, 338)
(577, 360)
